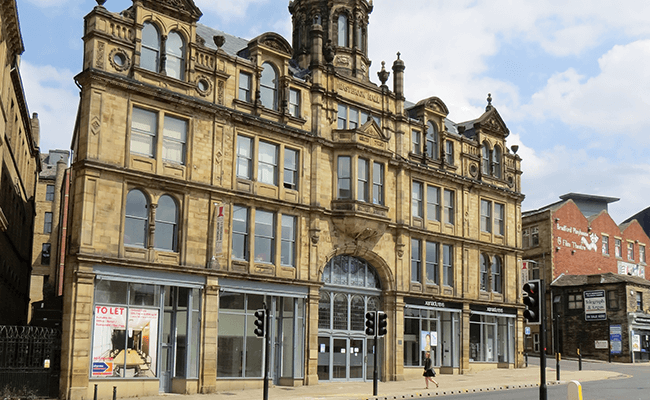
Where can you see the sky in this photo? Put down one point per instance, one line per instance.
(570, 78)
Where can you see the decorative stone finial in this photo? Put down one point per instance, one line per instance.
(489, 100)
(219, 40)
(398, 54)
(383, 74)
(101, 2)
(515, 148)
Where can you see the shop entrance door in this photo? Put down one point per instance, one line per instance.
(166, 351)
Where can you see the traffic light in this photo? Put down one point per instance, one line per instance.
(382, 323)
(259, 322)
(533, 312)
(370, 323)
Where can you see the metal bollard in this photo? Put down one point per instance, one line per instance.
(558, 358)
(95, 395)
(579, 361)
(526, 358)
(114, 392)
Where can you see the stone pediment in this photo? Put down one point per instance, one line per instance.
(274, 41)
(434, 104)
(491, 121)
(184, 10)
(373, 131)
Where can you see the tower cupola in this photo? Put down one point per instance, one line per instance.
(344, 25)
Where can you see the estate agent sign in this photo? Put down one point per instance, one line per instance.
(595, 308)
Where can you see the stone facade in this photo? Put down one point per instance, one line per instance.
(19, 158)
(291, 177)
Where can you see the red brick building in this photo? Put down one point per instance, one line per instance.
(577, 236)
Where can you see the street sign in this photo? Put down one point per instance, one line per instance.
(527, 330)
(595, 305)
(616, 338)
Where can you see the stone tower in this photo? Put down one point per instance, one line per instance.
(342, 25)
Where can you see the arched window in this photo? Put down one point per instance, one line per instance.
(496, 275)
(175, 51)
(136, 219)
(496, 162)
(485, 266)
(485, 157)
(150, 55)
(343, 31)
(359, 35)
(341, 314)
(166, 224)
(433, 146)
(357, 313)
(269, 87)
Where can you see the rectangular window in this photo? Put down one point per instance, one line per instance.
(617, 248)
(143, 132)
(267, 163)
(432, 260)
(45, 254)
(612, 300)
(486, 216)
(342, 117)
(449, 152)
(290, 169)
(354, 118)
(416, 260)
(642, 253)
(362, 180)
(344, 178)
(244, 157)
(240, 233)
(448, 265)
(449, 207)
(264, 236)
(288, 245)
(499, 219)
(630, 251)
(639, 301)
(575, 301)
(294, 103)
(433, 203)
(378, 183)
(245, 87)
(47, 225)
(416, 142)
(174, 139)
(49, 193)
(534, 236)
(416, 200)
(605, 245)
(525, 238)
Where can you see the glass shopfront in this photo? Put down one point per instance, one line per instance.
(240, 353)
(492, 334)
(431, 326)
(144, 326)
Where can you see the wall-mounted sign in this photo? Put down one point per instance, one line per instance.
(616, 339)
(636, 342)
(595, 305)
(600, 344)
(625, 268)
(576, 238)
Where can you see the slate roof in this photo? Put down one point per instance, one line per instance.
(609, 277)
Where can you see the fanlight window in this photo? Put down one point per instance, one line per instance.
(350, 271)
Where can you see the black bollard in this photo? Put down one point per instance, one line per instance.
(579, 361)
(114, 392)
(95, 396)
(526, 358)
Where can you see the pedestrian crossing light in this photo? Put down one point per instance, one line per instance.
(532, 313)
(259, 322)
(370, 323)
(382, 323)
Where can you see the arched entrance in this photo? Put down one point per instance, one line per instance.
(352, 287)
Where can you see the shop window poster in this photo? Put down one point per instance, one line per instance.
(125, 347)
(428, 339)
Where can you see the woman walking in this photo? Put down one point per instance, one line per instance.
(429, 373)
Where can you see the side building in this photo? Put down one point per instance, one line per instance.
(215, 176)
(20, 163)
(49, 228)
(577, 236)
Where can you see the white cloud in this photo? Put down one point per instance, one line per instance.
(52, 94)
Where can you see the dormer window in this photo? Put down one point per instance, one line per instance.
(496, 162)
(343, 31)
(432, 141)
(485, 157)
(150, 58)
(269, 87)
(175, 50)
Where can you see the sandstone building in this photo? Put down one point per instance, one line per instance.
(20, 162)
(577, 236)
(214, 176)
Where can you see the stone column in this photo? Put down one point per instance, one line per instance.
(208, 378)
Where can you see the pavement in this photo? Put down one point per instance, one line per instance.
(473, 382)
